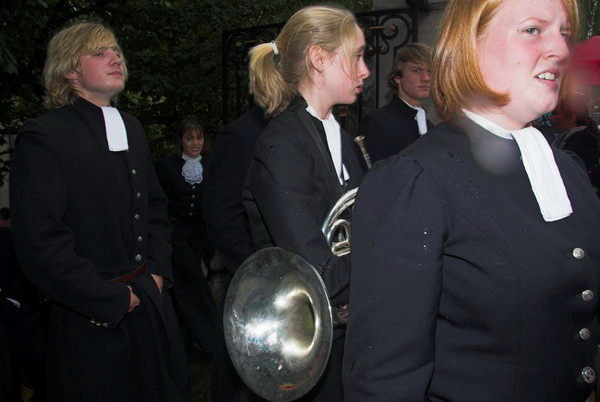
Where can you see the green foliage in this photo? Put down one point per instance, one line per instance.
(590, 18)
(172, 48)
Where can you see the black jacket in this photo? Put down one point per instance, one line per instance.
(290, 189)
(390, 129)
(82, 215)
(460, 290)
(185, 199)
(224, 214)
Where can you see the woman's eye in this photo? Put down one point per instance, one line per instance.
(532, 30)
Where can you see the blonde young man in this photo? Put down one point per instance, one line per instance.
(91, 230)
(393, 127)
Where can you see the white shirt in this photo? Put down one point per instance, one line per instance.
(333, 133)
(420, 117)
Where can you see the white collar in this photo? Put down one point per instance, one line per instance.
(420, 117)
(540, 166)
(333, 134)
(116, 134)
(192, 169)
(189, 158)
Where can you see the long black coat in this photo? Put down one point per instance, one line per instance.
(390, 129)
(193, 299)
(82, 215)
(289, 191)
(460, 290)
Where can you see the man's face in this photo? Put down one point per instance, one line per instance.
(414, 86)
(101, 75)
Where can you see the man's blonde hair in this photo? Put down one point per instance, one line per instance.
(64, 51)
(418, 53)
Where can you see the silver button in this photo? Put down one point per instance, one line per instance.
(138, 194)
(588, 374)
(133, 171)
(140, 238)
(193, 195)
(138, 257)
(191, 213)
(192, 204)
(587, 295)
(137, 217)
(193, 187)
(584, 334)
(578, 253)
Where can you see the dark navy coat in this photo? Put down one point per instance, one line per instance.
(390, 129)
(460, 291)
(291, 186)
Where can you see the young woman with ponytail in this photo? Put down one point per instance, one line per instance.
(303, 162)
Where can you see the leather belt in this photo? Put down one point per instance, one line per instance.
(130, 275)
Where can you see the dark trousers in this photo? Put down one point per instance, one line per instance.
(193, 300)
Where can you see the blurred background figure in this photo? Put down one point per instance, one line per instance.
(23, 325)
(182, 179)
(228, 226)
(574, 128)
(224, 214)
(393, 127)
(578, 133)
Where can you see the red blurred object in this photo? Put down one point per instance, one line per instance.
(587, 56)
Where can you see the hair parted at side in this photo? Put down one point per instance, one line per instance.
(274, 79)
(189, 124)
(456, 77)
(418, 53)
(64, 50)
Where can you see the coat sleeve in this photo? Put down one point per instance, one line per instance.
(398, 234)
(222, 207)
(283, 183)
(45, 245)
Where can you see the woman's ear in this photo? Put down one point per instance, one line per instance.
(316, 55)
(71, 75)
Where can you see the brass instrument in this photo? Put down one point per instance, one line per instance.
(278, 324)
(278, 319)
(360, 140)
(336, 230)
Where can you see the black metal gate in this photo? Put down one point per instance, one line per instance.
(386, 31)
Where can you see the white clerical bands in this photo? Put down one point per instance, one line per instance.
(274, 46)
